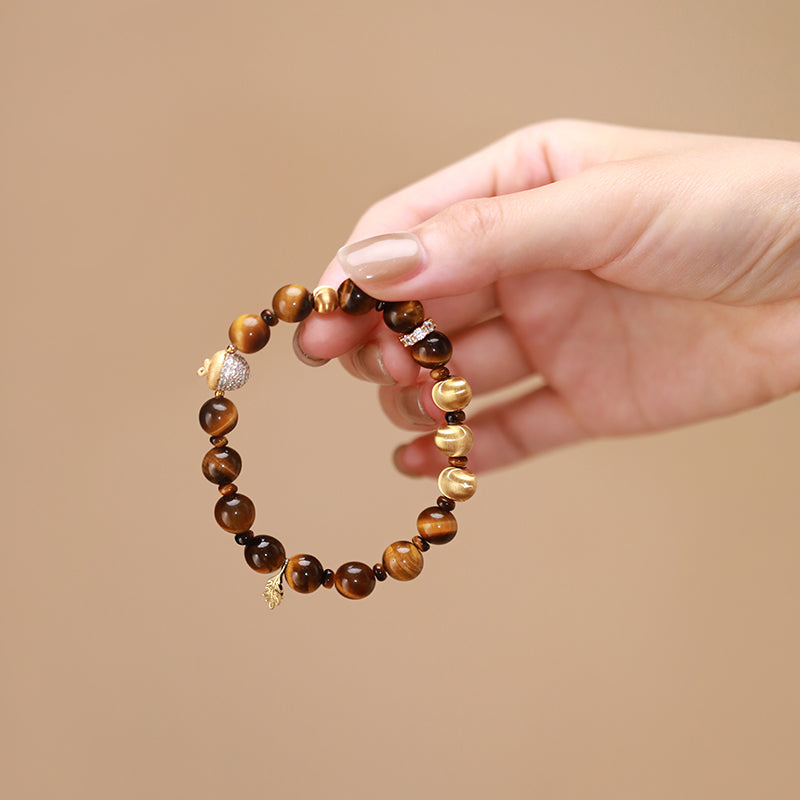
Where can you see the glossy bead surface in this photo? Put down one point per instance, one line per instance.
(402, 561)
(421, 544)
(437, 525)
(228, 489)
(326, 300)
(235, 514)
(219, 441)
(454, 417)
(445, 502)
(454, 440)
(292, 303)
(248, 333)
(243, 538)
(440, 373)
(452, 394)
(380, 572)
(456, 483)
(268, 315)
(353, 300)
(433, 351)
(458, 461)
(264, 553)
(404, 316)
(354, 580)
(328, 578)
(304, 573)
(221, 465)
(218, 416)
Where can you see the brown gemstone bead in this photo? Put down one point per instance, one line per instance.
(292, 303)
(454, 417)
(445, 503)
(264, 553)
(243, 538)
(328, 578)
(404, 316)
(218, 416)
(268, 315)
(379, 571)
(304, 573)
(353, 300)
(326, 300)
(222, 464)
(235, 514)
(440, 374)
(248, 333)
(458, 461)
(403, 560)
(228, 489)
(219, 441)
(421, 544)
(432, 351)
(354, 580)
(437, 525)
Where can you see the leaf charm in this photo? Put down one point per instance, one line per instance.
(273, 591)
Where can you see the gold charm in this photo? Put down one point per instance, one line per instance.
(273, 591)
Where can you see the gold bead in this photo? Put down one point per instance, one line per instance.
(454, 440)
(451, 394)
(326, 299)
(457, 483)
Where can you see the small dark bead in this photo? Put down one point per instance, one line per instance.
(304, 573)
(421, 544)
(354, 580)
(293, 303)
(328, 578)
(264, 553)
(221, 464)
(458, 461)
(243, 538)
(445, 503)
(436, 525)
(228, 489)
(218, 416)
(432, 351)
(403, 317)
(268, 315)
(380, 305)
(235, 514)
(454, 417)
(440, 374)
(380, 574)
(219, 441)
(353, 300)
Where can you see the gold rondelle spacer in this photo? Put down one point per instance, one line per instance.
(451, 394)
(454, 440)
(457, 483)
(326, 300)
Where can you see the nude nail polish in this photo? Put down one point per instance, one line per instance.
(369, 363)
(408, 402)
(385, 258)
(302, 356)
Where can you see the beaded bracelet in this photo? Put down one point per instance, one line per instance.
(227, 370)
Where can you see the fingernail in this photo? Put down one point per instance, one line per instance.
(304, 357)
(368, 360)
(409, 405)
(388, 257)
(397, 459)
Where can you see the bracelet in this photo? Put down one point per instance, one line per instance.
(227, 370)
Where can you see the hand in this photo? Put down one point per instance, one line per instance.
(650, 278)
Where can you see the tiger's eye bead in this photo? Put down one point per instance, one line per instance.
(404, 316)
(235, 514)
(457, 483)
(454, 440)
(268, 315)
(458, 461)
(219, 441)
(264, 553)
(354, 580)
(218, 416)
(304, 573)
(328, 578)
(326, 299)
(433, 351)
(403, 561)
(440, 373)
(222, 465)
(454, 417)
(445, 503)
(228, 489)
(437, 525)
(353, 300)
(421, 544)
(452, 394)
(380, 573)
(248, 333)
(243, 538)
(292, 303)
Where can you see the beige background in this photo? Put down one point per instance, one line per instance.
(615, 620)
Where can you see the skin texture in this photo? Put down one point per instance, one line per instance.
(652, 279)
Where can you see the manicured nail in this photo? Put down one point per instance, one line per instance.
(409, 405)
(369, 363)
(301, 354)
(397, 459)
(388, 257)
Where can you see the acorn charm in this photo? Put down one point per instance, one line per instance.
(225, 371)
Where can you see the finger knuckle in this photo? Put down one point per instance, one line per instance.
(479, 218)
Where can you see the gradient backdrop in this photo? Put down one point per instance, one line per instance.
(615, 620)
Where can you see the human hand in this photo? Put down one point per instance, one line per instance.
(651, 279)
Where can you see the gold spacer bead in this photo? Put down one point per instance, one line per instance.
(451, 394)
(454, 440)
(457, 483)
(326, 300)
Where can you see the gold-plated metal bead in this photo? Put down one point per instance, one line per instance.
(457, 483)
(454, 440)
(452, 394)
(225, 370)
(326, 300)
